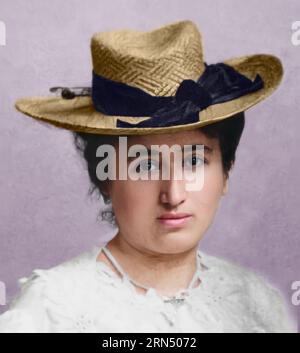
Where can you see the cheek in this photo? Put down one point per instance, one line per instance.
(133, 201)
(209, 195)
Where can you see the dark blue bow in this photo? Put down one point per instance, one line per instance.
(219, 83)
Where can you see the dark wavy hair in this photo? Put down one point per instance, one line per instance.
(227, 131)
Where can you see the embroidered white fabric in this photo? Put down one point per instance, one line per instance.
(85, 295)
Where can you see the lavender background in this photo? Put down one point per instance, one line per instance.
(45, 214)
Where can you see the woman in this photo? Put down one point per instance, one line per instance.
(154, 88)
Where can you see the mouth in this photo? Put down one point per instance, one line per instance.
(174, 222)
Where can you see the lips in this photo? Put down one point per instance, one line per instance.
(174, 220)
(174, 215)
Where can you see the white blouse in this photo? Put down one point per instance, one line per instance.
(85, 295)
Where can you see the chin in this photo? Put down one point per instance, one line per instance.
(177, 243)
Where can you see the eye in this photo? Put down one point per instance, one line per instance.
(144, 165)
(195, 161)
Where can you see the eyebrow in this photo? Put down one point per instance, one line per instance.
(155, 151)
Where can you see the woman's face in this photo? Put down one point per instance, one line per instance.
(138, 204)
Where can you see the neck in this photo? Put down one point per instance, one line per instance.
(166, 273)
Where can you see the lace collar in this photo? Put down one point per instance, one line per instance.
(179, 298)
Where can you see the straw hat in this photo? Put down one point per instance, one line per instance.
(156, 82)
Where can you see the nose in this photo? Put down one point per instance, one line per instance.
(173, 192)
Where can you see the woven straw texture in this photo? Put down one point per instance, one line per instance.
(156, 61)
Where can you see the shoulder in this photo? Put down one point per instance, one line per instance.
(249, 289)
(236, 274)
(60, 275)
(44, 290)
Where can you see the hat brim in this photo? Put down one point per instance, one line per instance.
(79, 114)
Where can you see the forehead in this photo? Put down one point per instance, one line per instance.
(189, 137)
